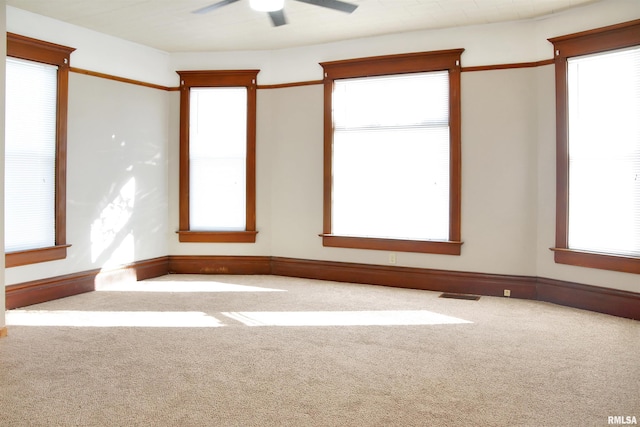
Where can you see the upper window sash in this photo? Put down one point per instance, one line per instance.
(360, 95)
(223, 78)
(595, 41)
(30, 49)
(447, 60)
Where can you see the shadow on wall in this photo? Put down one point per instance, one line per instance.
(117, 173)
(127, 211)
(112, 239)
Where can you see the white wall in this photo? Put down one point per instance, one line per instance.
(117, 165)
(507, 136)
(121, 150)
(295, 153)
(3, 50)
(95, 51)
(117, 181)
(508, 131)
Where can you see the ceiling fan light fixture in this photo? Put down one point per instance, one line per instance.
(266, 5)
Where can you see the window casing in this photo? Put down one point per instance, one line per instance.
(55, 62)
(217, 156)
(424, 149)
(597, 135)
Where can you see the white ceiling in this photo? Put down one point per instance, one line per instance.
(170, 26)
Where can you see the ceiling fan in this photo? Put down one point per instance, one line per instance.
(275, 8)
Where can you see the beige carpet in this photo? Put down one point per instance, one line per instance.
(267, 350)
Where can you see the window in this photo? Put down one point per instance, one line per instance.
(217, 156)
(35, 150)
(392, 153)
(598, 148)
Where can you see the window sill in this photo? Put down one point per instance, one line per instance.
(217, 236)
(34, 256)
(626, 264)
(420, 246)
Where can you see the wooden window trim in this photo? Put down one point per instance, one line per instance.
(33, 256)
(218, 78)
(397, 64)
(396, 245)
(603, 39)
(53, 54)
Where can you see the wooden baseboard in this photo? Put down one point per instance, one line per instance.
(48, 289)
(593, 298)
(150, 268)
(407, 277)
(3, 332)
(186, 264)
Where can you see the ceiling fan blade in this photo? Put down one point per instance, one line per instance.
(277, 18)
(342, 6)
(214, 6)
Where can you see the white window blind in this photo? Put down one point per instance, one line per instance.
(391, 157)
(30, 150)
(604, 152)
(217, 158)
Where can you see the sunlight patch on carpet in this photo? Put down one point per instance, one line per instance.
(197, 319)
(181, 286)
(141, 319)
(343, 318)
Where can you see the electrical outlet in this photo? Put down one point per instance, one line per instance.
(392, 258)
(507, 292)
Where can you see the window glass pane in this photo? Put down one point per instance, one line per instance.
(397, 100)
(30, 150)
(391, 157)
(604, 152)
(392, 184)
(217, 158)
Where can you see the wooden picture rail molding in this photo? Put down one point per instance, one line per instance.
(302, 83)
(593, 298)
(509, 66)
(293, 84)
(121, 79)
